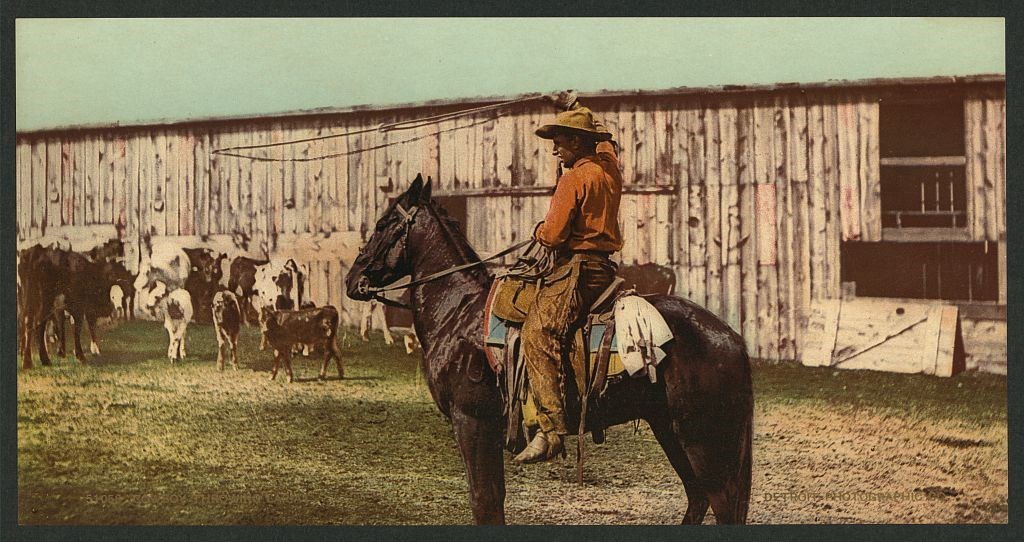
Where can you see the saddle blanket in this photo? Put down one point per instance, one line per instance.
(498, 329)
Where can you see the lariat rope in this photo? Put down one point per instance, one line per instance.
(382, 129)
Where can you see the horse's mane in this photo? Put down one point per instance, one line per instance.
(455, 228)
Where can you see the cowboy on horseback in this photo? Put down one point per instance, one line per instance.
(582, 229)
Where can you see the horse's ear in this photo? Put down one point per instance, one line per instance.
(425, 194)
(415, 188)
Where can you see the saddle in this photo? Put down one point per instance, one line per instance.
(595, 354)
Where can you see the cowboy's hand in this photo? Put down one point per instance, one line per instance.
(564, 100)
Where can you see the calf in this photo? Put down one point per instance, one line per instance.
(176, 308)
(318, 326)
(227, 319)
(205, 274)
(241, 281)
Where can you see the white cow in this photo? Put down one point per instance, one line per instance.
(176, 308)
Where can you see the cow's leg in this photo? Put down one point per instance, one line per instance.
(181, 339)
(220, 350)
(336, 352)
(382, 318)
(277, 359)
(171, 347)
(76, 330)
(365, 319)
(287, 355)
(93, 347)
(26, 345)
(234, 351)
(480, 445)
(56, 327)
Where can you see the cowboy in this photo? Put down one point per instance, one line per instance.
(582, 229)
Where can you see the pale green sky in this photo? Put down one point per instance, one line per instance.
(89, 71)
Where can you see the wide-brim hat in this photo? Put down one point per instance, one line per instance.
(575, 122)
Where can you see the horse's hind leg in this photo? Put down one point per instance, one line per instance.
(696, 497)
(727, 499)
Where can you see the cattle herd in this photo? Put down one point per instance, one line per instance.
(182, 284)
(177, 284)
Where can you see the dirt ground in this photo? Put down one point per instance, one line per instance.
(129, 439)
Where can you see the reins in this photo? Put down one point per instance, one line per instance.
(409, 215)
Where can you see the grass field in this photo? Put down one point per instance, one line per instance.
(128, 438)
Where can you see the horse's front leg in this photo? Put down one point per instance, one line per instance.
(479, 442)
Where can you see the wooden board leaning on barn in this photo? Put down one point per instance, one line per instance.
(884, 335)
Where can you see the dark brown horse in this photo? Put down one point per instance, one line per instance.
(699, 410)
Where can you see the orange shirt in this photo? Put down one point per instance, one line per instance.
(584, 211)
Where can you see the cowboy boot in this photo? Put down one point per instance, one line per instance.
(543, 447)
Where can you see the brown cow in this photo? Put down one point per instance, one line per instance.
(284, 328)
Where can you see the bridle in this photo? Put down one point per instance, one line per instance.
(409, 216)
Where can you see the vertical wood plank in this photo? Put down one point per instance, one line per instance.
(340, 180)
(816, 199)
(80, 180)
(990, 128)
(849, 192)
(146, 157)
(355, 184)
(504, 144)
(89, 170)
(289, 185)
(713, 211)
(132, 206)
(664, 144)
(172, 183)
(214, 191)
(54, 176)
(798, 171)
(120, 183)
(784, 217)
(316, 181)
(100, 177)
(681, 176)
(37, 189)
(765, 197)
(698, 237)
(67, 175)
(160, 189)
(202, 182)
(732, 291)
(974, 159)
(870, 174)
(186, 177)
(833, 224)
(1000, 156)
(23, 189)
(748, 226)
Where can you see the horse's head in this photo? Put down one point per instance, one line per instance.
(384, 259)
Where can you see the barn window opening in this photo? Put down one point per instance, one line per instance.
(940, 270)
(921, 145)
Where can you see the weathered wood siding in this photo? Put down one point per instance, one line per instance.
(746, 196)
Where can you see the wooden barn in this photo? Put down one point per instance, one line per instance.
(768, 202)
